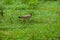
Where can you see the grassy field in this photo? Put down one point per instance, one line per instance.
(44, 24)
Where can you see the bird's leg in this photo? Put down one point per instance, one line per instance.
(24, 20)
(27, 21)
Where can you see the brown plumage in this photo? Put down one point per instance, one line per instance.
(26, 16)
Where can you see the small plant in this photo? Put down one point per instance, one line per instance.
(3, 36)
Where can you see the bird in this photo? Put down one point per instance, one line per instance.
(26, 16)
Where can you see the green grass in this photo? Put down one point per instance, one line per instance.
(44, 24)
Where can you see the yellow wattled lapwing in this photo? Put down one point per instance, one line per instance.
(25, 17)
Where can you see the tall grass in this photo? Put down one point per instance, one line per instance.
(44, 24)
